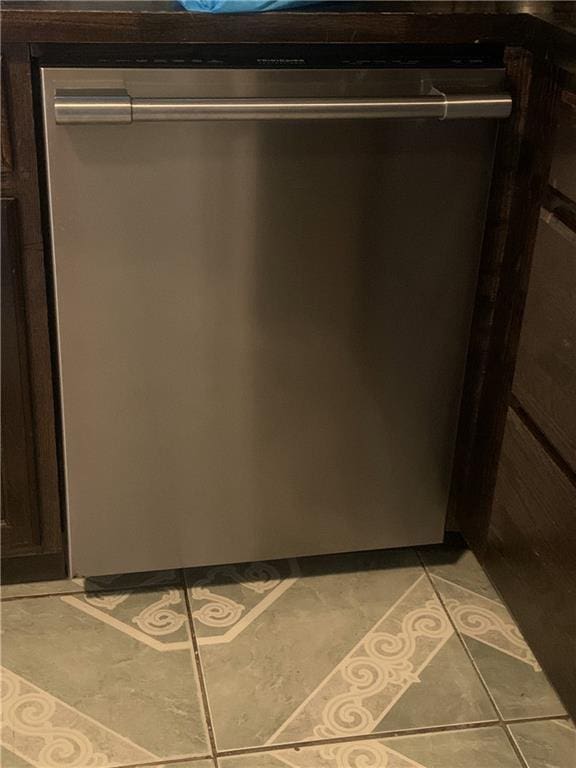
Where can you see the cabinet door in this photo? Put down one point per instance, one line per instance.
(545, 378)
(32, 536)
(563, 171)
(531, 556)
(530, 552)
(20, 514)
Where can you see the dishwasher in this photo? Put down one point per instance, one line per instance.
(264, 277)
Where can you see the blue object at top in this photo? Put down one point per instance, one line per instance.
(242, 6)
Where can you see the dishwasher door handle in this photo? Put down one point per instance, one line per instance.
(82, 107)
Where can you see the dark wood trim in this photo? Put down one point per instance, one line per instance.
(561, 207)
(569, 98)
(33, 566)
(178, 26)
(20, 508)
(6, 131)
(22, 183)
(546, 446)
(563, 170)
(522, 164)
(554, 42)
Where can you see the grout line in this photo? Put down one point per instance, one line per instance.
(499, 602)
(44, 594)
(167, 762)
(200, 671)
(460, 638)
(501, 721)
(375, 735)
(515, 747)
(176, 582)
(504, 604)
(535, 719)
(568, 725)
(564, 715)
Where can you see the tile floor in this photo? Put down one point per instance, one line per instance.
(397, 659)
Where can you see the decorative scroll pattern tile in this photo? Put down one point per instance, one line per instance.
(222, 617)
(506, 663)
(310, 662)
(46, 732)
(329, 652)
(95, 681)
(475, 748)
(486, 621)
(360, 691)
(162, 622)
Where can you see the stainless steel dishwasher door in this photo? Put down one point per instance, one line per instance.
(262, 325)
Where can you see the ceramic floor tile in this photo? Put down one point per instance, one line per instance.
(459, 566)
(39, 588)
(100, 679)
(546, 744)
(195, 764)
(94, 584)
(329, 647)
(506, 663)
(475, 748)
(10, 760)
(209, 763)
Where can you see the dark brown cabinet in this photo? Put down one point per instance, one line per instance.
(530, 550)
(32, 538)
(531, 553)
(20, 514)
(545, 377)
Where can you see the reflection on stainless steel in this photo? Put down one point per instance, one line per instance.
(262, 325)
(76, 108)
(92, 108)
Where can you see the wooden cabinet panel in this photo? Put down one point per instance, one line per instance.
(545, 377)
(20, 513)
(6, 133)
(531, 553)
(32, 541)
(563, 170)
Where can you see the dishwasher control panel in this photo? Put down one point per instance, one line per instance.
(279, 56)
